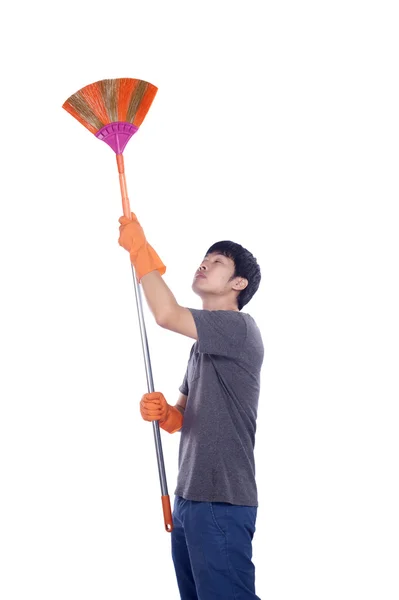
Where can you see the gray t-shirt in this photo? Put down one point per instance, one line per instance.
(222, 383)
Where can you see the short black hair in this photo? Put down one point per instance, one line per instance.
(246, 266)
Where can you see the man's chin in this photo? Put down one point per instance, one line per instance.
(195, 289)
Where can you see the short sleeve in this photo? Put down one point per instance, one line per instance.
(220, 332)
(184, 386)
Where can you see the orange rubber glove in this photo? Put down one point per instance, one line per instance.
(153, 407)
(142, 255)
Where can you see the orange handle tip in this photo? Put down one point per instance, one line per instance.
(167, 513)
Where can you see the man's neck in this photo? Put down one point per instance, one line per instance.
(218, 304)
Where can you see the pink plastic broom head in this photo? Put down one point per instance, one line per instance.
(117, 135)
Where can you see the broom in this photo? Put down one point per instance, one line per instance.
(114, 109)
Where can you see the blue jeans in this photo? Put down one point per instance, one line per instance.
(212, 550)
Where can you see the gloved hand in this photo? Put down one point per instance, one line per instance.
(142, 255)
(132, 236)
(153, 407)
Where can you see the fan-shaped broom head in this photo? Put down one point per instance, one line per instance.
(112, 109)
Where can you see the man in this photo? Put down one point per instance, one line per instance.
(216, 500)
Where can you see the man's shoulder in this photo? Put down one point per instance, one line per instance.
(254, 337)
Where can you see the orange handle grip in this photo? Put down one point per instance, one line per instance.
(122, 181)
(167, 513)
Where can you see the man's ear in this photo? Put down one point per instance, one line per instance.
(240, 284)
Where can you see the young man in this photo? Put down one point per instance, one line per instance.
(216, 500)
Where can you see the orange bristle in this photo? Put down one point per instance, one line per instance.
(126, 89)
(145, 104)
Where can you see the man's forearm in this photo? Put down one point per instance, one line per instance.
(159, 298)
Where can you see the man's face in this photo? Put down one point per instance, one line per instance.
(214, 274)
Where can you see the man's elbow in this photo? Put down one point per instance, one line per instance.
(160, 320)
(165, 318)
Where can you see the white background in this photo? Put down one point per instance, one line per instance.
(275, 125)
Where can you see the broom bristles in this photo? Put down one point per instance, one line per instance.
(126, 90)
(109, 92)
(92, 95)
(144, 106)
(135, 100)
(111, 100)
(78, 116)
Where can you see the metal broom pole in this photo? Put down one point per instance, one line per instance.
(150, 382)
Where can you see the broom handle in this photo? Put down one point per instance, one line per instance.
(167, 513)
